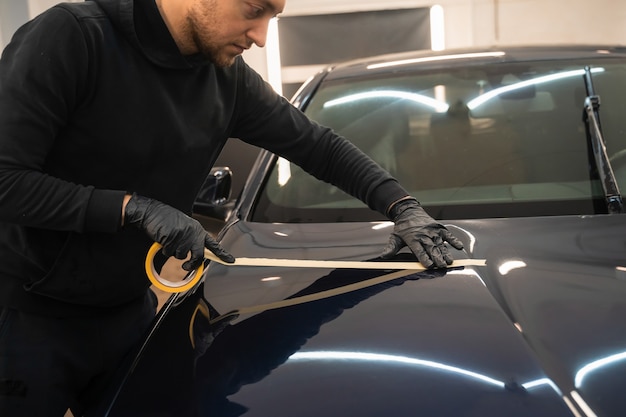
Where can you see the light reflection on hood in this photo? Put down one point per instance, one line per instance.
(406, 360)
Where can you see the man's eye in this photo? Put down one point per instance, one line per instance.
(254, 11)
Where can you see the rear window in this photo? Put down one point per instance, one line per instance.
(504, 140)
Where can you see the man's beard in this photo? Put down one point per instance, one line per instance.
(212, 53)
(205, 46)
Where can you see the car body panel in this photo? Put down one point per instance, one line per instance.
(538, 331)
(516, 332)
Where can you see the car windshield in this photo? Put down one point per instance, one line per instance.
(497, 140)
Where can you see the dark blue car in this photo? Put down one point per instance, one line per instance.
(521, 153)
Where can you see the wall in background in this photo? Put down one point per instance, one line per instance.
(493, 22)
(487, 22)
(12, 14)
(308, 43)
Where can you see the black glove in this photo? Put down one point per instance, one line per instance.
(178, 233)
(421, 233)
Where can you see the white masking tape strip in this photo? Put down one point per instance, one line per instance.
(301, 263)
(194, 278)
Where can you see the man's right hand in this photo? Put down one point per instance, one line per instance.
(423, 235)
(178, 233)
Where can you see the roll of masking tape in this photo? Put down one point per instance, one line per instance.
(194, 277)
(166, 285)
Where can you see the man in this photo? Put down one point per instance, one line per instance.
(111, 115)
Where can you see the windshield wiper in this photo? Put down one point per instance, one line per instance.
(591, 116)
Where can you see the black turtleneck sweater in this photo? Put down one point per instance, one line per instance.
(96, 101)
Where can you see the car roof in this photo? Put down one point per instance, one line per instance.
(427, 59)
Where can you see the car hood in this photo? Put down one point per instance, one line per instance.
(539, 330)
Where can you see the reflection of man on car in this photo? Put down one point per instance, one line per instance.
(227, 356)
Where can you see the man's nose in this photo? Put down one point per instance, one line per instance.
(258, 33)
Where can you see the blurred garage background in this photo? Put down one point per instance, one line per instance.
(313, 33)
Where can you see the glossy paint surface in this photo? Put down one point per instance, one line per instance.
(538, 331)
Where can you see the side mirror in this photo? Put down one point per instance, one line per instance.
(214, 194)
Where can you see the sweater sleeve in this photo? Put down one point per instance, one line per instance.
(271, 122)
(42, 76)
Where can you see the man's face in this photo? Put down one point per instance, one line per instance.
(223, 29)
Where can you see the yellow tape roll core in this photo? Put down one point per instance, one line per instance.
(167, 285)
